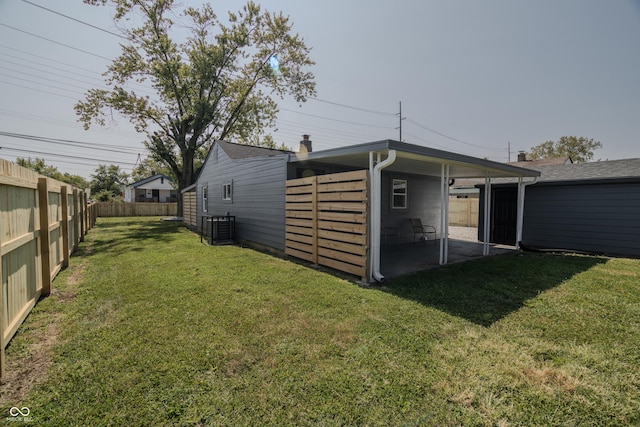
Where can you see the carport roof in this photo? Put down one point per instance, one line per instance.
(413, 159)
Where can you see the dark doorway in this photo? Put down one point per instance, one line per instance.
(156, 195)
(504, 215)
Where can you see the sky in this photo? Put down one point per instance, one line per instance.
(485, 79)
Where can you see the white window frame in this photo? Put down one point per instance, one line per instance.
(397, 185)
(205, 198)
(227, 191)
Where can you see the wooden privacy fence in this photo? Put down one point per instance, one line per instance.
(326, 220)
(119, 209)
(463, 212)
(189, 208)
(41, 223)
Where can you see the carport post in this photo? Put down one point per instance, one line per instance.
(520, 222)
(487, 214)
(444, 214)
(520, 212)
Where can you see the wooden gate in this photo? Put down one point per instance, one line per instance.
(326, 220)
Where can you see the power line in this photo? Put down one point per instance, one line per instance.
(336, 120)
(23, 73)
(452, 138)
(38, 90)
(49, 59)
(55, 42)
(66, 156)
(76, 20)
(68, 142)
(42, 84)
(50, 68)
(144, 88)
(351, 107)
(74, 125)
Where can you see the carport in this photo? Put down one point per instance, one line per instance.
(408, 181)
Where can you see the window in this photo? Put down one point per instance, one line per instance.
(227, 192)
(399, 194)
(205, 196)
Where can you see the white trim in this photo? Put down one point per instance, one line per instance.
(405, 194)
(227, 191)
(205, 198)
(444, 214)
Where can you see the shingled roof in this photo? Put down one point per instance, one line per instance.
(561, 172)
(244, 151)
(607, 169)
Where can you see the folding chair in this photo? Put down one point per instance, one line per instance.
(422, 231)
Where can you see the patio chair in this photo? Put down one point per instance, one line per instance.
(388, 232)
(422, 231)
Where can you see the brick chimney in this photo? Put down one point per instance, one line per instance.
(522, 156)
(305, 144)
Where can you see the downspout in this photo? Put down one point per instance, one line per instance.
(520, 209)
(376, 208)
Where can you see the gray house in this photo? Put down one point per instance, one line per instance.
(590, 207)
(246, 182)
(338, 207)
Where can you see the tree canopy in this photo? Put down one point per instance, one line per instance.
(580, 149)
(218, 83)
(39, 166)
(108, 183)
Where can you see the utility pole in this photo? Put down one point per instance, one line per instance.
(400, 120)
(509, 149)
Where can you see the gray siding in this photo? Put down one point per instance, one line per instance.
(423, 201)
(601, 218)
(258, 195)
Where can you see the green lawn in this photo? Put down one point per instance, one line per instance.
(154, 328)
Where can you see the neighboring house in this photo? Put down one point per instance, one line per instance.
(588, 207)
(157, 189)
(330, 207)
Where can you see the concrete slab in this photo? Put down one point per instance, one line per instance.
(403, 259)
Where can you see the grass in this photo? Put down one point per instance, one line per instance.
(154, 328)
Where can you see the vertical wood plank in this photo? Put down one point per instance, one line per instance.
(45, 260)
(314, 219)
(3, 307)
(64, 201)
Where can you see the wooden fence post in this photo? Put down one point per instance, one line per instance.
(2, 325)
(45, 258)
(82, 207)
(86, 212)
(76, 220)
(64, 201)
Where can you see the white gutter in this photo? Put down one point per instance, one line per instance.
(487, 214)
(520, 221)
(376, 208)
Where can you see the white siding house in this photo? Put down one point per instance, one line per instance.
(156, 189)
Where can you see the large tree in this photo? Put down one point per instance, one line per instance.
(580, 149)
(217, 83)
